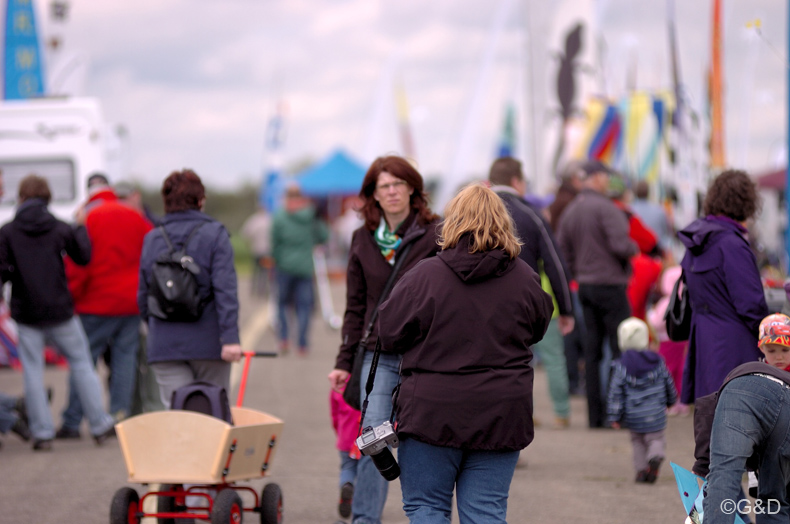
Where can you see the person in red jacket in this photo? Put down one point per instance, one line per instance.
(646, 265)
(105, 295)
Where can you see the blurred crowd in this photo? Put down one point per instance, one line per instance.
(448, 315)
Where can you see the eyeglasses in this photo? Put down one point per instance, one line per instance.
(396, 185)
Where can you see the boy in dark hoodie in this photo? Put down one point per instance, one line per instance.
(641, 390)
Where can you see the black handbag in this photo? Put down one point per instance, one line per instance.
(678, 315)
(353, 392)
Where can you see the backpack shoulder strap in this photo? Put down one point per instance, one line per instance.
(191, 234)
(167, 239)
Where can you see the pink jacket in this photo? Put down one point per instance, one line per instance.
(655, 316)
(345, 421)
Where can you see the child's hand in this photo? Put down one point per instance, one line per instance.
(615, 425)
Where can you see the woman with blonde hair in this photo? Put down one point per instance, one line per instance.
(464, 322)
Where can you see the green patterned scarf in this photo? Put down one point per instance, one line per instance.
(388, 242)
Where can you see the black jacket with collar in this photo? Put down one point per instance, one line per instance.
(31, 258)
(367, 274)
(539, 245)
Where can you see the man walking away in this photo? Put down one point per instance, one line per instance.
(31, 248)
(593, 236)
(105, 297)
(541, 253)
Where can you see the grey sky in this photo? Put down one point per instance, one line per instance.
(195, 81)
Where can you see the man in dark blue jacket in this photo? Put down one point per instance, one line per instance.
(31, 248)
(541, 253)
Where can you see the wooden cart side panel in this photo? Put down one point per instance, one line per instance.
(253, 449)
(248, 417)
(174, 447)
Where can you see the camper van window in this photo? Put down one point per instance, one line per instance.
(59, 173)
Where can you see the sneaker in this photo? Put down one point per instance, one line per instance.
(22, 430)
(102, 437)
(641, 476)
(346, 496)
(42, 444)
(66, 433)
(652, 469)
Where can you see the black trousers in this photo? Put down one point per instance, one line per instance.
(604, 307)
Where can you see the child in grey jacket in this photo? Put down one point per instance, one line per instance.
(641, 389)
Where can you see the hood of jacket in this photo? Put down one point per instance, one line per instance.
(698, 234)
(476, 267)
(34, 218)
(639, 363)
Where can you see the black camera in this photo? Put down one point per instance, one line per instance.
(375, 443)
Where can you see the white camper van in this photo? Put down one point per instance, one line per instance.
(60, 139)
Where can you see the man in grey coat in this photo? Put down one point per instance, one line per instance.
(593, 236)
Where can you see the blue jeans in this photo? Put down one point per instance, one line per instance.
(8, 416)
(348, 468)
(752, 412)
(370, 490)
(430, 473)
(292, 289)
(122, 336)
(70, 339)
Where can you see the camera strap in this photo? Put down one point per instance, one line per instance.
(377, 351)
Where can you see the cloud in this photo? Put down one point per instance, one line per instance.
(195, 81)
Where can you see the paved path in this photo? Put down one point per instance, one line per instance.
(572, 476)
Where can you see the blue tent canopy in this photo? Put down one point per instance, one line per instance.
(338, 174)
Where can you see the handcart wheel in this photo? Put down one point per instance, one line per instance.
(172, 504)
(271, 504)
(227, 508)
(125, 506)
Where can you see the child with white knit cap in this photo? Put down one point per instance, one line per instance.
(640, 391)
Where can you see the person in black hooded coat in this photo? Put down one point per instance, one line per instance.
(464, 322)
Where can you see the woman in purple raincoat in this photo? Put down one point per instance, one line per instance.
(727, 297)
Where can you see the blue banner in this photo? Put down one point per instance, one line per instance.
(23, 75)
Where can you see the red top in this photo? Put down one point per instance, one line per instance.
(108, 284)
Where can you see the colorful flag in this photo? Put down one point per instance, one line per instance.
(407, 142)
(605, 131)
(8, 338)
(507, 140)
(24, 72)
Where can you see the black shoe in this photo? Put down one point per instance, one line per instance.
(641, 476)
(21, 409)
(652, 469)
(42, 444)
(67, 433)
(21, 429)
(102, 437)
(346, 496)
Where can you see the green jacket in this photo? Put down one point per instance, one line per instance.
(294, 234)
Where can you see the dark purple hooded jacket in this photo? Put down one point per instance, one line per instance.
(727, 303)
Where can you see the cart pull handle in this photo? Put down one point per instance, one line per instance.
(245, 371)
